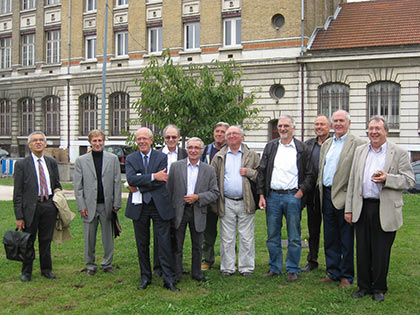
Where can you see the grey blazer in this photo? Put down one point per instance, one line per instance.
(85, 184)
(342, 173)
(206, 188)
(400, 176)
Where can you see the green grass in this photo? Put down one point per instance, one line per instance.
(73, 292)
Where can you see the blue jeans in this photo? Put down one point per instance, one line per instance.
(289, 206)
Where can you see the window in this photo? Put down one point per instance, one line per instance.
(52, 116)
(120, 112)
(90, 47)
(384, 100)
(192, 35)
(27, 106)
(28, 50)
(90, 5)
(121, 2)
(53, 2)
(5, 6)
(232, 32)
(332, 97)
(121, 44)
(155, 40)
(5, 51)
(28, 4)
(88, 107)
(5, 117)
(53, 46)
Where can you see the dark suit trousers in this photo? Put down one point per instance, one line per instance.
(210, 235)
(313, 208)
(373, 249)
(43, 223)
(196, 243)
(156, 263)
(142, 233)
(338, 241)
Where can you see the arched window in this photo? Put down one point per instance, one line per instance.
(119, 112)
(88, 105)
(332, 97)
(5, 117)
(384, 100)
(27, 109)
(52, 116)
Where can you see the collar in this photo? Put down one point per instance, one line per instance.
(166, 150)
(189, 163)
(148, 154)
(230, 151)
(290, 144)
(343, 138)
(382, 149)
(35, 158)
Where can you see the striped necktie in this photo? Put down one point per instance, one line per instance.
(43, 190)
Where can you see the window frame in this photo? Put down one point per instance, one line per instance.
(28, 50)
(5, 117)
(158, 41)
(119, 112)
(51, 116)
(28, 4)
(88, 39)
(51, 2)
(91, 5)
(53, 47)
(121, 3)
(124, 36)
(233, 30)
(88, 105)
(6, 6)
(195, 27)
(5, 53)
(341, 98)
(27, 123)
(385, 110)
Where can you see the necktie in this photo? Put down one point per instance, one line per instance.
(42, 182)
(147, 197)
(146, 164)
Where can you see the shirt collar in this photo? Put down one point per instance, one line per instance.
(290, 144)
(239, 151)
(382, 149)
(341, 139)
(166, 150)
(189, 163)
(35, 158)
(148, 154)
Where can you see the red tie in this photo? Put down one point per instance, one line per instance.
(42, 182)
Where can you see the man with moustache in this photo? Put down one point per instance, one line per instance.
(381, 171)
(146, 170)
(322, 127)
(210, 233)
(335, 162)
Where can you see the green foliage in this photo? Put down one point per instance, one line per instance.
(194, 98)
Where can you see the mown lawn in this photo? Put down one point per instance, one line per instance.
(74, 292)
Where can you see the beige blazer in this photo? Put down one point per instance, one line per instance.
(342, 173)
(400, 176)
(64, 217)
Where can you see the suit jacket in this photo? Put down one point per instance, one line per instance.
(86, 185)
(400, 176)
(205, 187)
(342, 173)
(136, 176)
(25, 192)
(305, 173)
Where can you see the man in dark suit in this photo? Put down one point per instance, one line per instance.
(36, 178)
(171, 136)
(192, 186)
(146, 171)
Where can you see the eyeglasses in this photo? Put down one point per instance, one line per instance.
(194, 148)
(171, 137)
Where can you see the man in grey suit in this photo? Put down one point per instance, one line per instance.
(335, 161)
(380, 172)
(192, 186)
(97, 188)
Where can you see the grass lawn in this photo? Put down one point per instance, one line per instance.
(74, 292)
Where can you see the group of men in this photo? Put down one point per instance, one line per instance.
(344, 182)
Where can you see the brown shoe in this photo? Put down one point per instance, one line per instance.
(291, 277)
(269, 274)
(109, 270)
(325, 280)
(344, 283)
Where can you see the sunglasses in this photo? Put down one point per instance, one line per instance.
(171, 137)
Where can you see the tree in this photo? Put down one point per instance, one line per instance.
(193, 97)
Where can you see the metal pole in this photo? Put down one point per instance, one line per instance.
(104, 69)
(68, 80)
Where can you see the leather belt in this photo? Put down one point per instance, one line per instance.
(326, 187)
(286, 191)
(42, 199)
(236, 199)
(373, 200)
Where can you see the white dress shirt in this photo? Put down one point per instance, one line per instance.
(285, 171)
(46, 173)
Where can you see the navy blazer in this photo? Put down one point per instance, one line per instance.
(136, 176)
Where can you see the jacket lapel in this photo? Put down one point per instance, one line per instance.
(91, 164)
(200, 174)
(390, 152)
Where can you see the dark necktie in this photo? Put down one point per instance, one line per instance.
(147, 197)
(146, 164)
(42, 182)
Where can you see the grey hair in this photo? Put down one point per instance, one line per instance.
(379, 118)
(342, 110)
(221, 124)
(241, 131)
(287, 117)
(36, 133)
(195, 139)
(148, 130)
(170, 126)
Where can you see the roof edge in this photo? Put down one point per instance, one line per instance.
(325, 27)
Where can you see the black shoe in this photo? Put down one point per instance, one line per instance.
(185, 272)
(143, 285)
(170, 286)
(309, 267)
(109, 270)
(25, 277)
(201, 279)
(48, 275)
(359, 293)
(158, 272)
(90, 272)
(378, 297)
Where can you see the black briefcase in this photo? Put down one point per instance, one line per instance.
(18, 246)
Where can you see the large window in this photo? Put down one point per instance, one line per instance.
(192, 35)
(384, 100)
(5, 52)
(90, 47)
(155, 39)
(89, 109)
(27, 106)
(121, 2)
(28, 4)
(53, 46)
(5, 117)
(5, 6)
(52, 116)
(121, 44)
(90, 5)
(28, 50)
(332, 97)
(120, 112)
(232, 32)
